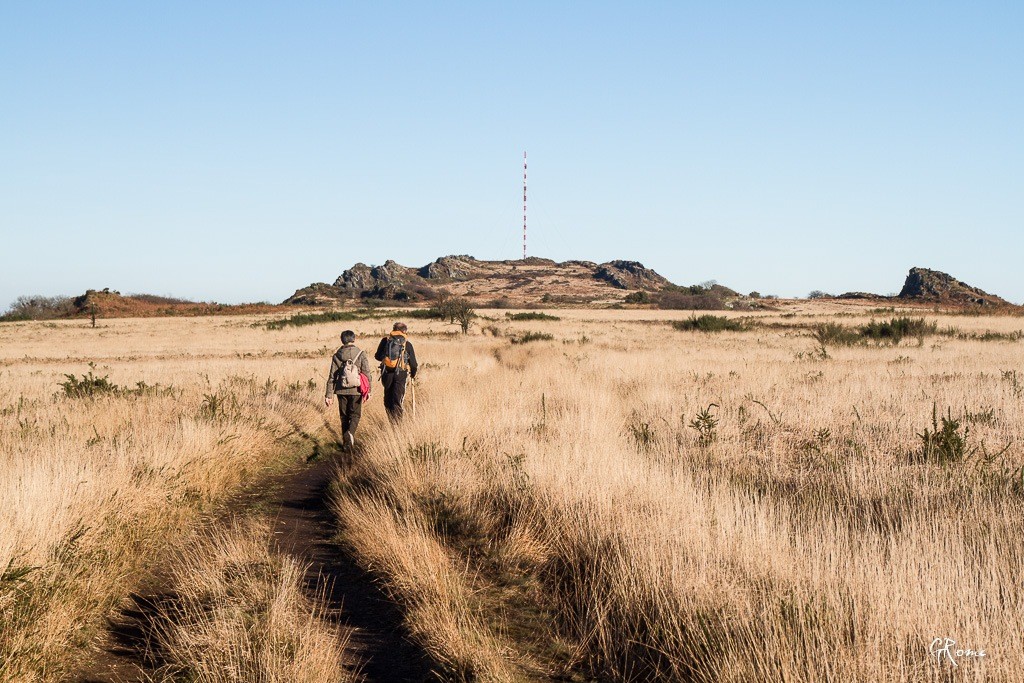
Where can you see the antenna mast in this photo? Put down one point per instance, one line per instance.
(524, 205)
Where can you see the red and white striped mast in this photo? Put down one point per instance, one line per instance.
(524, 205)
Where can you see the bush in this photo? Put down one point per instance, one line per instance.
(424, 314)
(946, 444)
(531, 337)
(303, 319)
(640, 297)
(705, 424)
(818, 294)
(678, 301)
(834, 334)
(708, 323)
(89, 386)
(500, 302)
(896, 329)
(38, 307)
(531, 315)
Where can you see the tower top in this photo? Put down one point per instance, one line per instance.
(524, 204)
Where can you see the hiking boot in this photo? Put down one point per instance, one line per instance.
(350, 440)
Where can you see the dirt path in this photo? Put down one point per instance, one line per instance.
(304, 527)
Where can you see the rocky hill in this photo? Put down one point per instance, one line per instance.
(937, 287)
(527, 281)
(924, 286)
(109, 303)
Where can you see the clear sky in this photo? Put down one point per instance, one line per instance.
(237, 151)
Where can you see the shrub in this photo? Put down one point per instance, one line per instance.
(89, 386)
(691, 290)
(531, 315)
(531, 337)
(424, 314)
(677, 301)
(834, 334)
(642, 435)
(946, 444)
(38, 307)
(500, 302)
(302, 319)
(896, 329)
(708, 323)
(818, 294)
(705, 424)
(640, 297)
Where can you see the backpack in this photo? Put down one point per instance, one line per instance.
(348, 374)
(394, 353)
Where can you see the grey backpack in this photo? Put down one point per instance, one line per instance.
(348, 374)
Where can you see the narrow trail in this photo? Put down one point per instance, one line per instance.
(377, 638)
(298, 505)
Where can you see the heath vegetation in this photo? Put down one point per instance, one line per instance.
(613, 500)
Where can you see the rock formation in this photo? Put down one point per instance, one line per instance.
(923, 284)
(528, 280)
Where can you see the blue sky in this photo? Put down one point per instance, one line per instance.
(238, 151)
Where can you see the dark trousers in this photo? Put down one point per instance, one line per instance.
(351, 408)
(394, 392)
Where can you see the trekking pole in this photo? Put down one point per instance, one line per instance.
(412, 385)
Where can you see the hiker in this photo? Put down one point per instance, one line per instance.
(350, 380)
(397, 364)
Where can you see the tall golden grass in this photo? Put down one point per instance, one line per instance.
(96, 490)
(553, 506)
(549, 508)
(241, 614)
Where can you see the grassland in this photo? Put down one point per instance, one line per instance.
(625, 500)
(101, 484)
(633, 502)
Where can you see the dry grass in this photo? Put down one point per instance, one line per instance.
(241, 614)
(95, 490)
(801, 539)
(552, 507)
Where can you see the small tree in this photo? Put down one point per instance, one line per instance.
(456, 309)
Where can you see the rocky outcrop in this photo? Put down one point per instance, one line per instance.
(361, 277)
(527, 281)
(451, 268)
(630, 275)
(317, 294)
(923, 284)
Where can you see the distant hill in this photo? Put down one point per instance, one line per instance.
(520, 282)
(108, 303)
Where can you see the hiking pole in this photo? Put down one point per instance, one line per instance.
(412, 386)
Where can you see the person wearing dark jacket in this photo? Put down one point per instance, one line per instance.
(397, 364)
(350, 399)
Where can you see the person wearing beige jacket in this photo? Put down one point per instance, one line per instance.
(347, 385)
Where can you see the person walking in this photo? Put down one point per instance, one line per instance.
(349, 380)
(397, 365)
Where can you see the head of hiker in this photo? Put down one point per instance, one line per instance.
(349, 380)
(397, 365)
